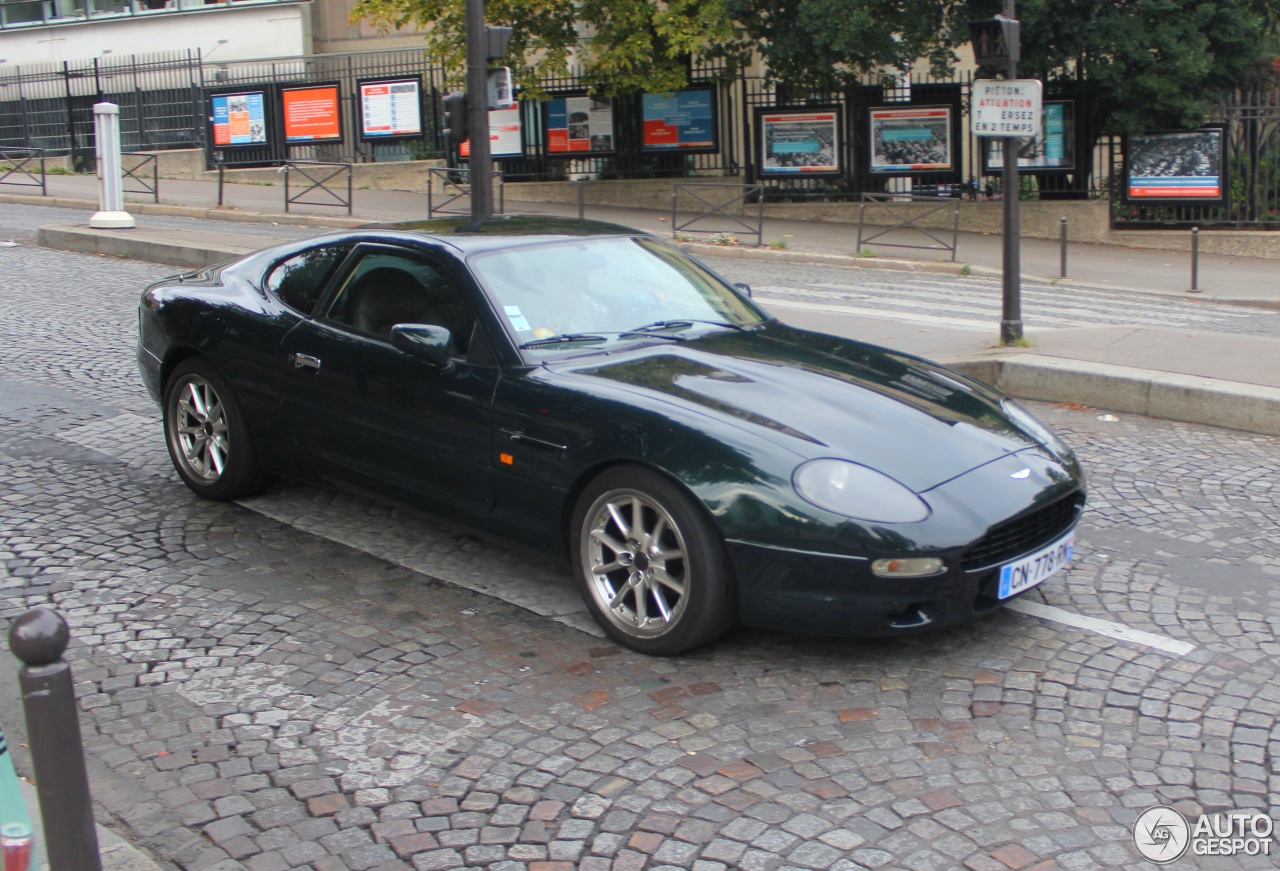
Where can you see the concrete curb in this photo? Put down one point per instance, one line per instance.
(1188, 398)
(135, 245)
(738, 252)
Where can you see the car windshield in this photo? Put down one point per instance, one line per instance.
(598, 290)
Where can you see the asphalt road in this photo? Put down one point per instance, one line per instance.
(313, 680)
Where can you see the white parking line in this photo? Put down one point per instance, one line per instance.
(1118, 631)
(876, 313)
(412, 541)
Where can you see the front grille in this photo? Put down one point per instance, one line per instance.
(1024, 534)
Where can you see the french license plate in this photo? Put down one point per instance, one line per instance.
(1036, 568)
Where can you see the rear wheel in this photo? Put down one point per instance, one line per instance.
(652, 567)
(206, 434)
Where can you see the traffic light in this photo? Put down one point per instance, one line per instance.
(455, 117)
(996, 42)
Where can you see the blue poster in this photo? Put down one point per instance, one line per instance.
(679, 121)
(239, 119)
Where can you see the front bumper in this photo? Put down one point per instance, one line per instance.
(988, 518)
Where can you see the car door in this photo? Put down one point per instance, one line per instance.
(365, 412)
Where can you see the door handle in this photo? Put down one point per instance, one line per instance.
(519, 435)
(305, 361)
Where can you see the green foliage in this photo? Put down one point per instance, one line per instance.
(619, 46)
(1149, 64)
(824, 45)
(1139, 64)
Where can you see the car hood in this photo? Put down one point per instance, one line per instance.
(823, 396)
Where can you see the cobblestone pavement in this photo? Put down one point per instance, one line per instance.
(311, 680)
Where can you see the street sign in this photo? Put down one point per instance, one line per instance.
(1006, 107)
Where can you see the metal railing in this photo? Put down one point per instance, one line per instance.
(317, 177)
(891, 206)
(453, 190)
(134, 169)
(16, 168)
(712, 200)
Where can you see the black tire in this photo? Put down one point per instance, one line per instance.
(652, 566)
(207, 437)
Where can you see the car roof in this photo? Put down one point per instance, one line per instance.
(503, 231)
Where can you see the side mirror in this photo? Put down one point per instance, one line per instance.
(745, 288)
(425, 342)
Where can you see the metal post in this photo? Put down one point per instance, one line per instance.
(1195, 260)
(582, 206)
(39, 638)
(220, 159)
(1063, 270)
(111, 213)
(481, 164)
(1011, 319)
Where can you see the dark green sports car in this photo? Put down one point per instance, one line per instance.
(593, 391)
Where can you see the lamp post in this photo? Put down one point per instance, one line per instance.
(477, 86)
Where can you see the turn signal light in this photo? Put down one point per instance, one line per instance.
(917, 567)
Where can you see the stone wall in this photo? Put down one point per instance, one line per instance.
(1088, 221)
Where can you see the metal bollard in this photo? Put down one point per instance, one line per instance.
(582, 206)
(39, 638)
(1195, 260)
(219, 158)
(1063, 268)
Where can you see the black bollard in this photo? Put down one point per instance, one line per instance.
(1195, 260)
(1063, 269)
(39, 638)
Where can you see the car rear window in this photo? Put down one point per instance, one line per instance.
(299, 280)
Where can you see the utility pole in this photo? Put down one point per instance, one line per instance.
(1011, 317)
(477, 86)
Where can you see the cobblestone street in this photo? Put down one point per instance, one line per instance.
(315, 680)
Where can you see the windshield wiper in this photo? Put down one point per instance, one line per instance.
(564, 339)
(679, 324)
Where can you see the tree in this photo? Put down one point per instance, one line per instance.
(828, 45)
(618, 45)
(1145, 64)
(1138, 63)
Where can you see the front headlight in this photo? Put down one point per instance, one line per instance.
(858, 492)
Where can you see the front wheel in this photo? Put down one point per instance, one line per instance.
(207, 436)
(652, 567)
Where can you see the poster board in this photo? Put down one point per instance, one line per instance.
(1176, 166)
(506, 134)
(389, 109)
(799, 141)
(1053, 151)
(311, 113)
(238, 119)
(684, 121)
(579, 125)
(911, 140)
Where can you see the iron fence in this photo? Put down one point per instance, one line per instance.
(1251, 176)
(322, 181)
(163, 101)
(24, 167)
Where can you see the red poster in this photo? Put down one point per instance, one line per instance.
(311, 114)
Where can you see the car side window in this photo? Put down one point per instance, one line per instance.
(388, 288)
(299, 280)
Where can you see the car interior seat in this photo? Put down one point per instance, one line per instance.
(386, 296)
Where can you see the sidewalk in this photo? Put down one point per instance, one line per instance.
(1216, 379)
